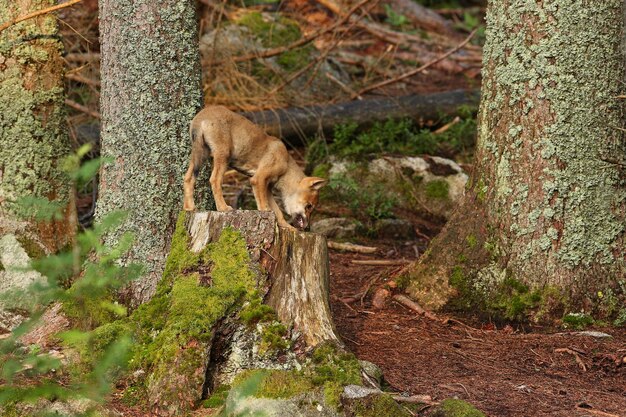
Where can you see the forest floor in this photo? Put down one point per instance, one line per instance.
(504, 372)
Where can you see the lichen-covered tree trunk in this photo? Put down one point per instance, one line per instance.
(150, 92)
(542, 224)
(33, 139)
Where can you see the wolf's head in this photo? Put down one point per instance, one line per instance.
(300, 203)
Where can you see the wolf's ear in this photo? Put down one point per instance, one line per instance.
(315, 183)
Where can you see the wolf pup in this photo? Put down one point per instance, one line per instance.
(236, 142)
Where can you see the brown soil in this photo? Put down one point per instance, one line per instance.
(503, 372)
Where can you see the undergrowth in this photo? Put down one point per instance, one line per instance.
(402, 137)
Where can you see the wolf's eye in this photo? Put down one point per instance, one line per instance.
(308, 207)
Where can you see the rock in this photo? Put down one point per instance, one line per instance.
(590, 333)
(358, 401)
(430, 184)
(335, 227)
(371, 373)
(380, 298)
(15, 279)
(398, 229)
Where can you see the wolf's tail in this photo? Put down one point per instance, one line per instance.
(199, 150)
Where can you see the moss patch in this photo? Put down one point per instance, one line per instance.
(437, 189)
(456, 408)
(376, 406)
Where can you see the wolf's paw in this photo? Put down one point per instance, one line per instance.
(225, 208)
(189, 206)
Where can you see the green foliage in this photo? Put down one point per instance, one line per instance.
(334, 365)
(396, 137)
(395, 19)
(368, 202)
(577, 320)
(26, 371)
(515, 300)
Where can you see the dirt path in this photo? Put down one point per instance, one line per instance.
(502, 372)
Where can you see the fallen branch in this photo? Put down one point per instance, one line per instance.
(412, 305)
(83, 80)
(351, 247)
(586, 408)
(82, 108)
(19, 19)
(417, 70)
(379, 262)
(415, 399)
(579, 361)
(82, 57)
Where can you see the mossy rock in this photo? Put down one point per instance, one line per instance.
(456, 408)
(374, 405)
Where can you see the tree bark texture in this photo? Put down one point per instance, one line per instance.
(305, 121)
(150, 92)
(33, 139)
(545, 206)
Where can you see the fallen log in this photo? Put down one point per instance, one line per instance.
(351, 247)
(301, 122)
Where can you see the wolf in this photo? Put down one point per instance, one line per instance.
(235, 142)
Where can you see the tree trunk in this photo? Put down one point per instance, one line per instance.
(288, 269)
(305, 121)
(545, 207)
(150, 92)
(33, 139)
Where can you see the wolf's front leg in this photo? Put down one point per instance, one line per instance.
(277, 211)
(259, 189)
(220, 163)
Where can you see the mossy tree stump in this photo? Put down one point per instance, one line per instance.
(198, 332)
(296, 264)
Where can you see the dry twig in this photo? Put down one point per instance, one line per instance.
(82, 108)
(379, 262)
(19, 19)
(412, 305)
(579, 361)
(419, 69)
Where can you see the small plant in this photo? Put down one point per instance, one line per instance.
(394, 18)
(577, 320)
(28, 374)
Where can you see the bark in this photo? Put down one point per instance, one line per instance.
(150, 92)
(304, 121)
(545, 206)
(33, 139)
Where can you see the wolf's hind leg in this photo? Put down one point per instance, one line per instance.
(220, 163)
(189, 183)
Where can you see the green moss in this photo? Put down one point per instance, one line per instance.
(91, 312)
(295, 59)
(255, 312)
(577, 320)
(471, 241)
(32, 248)
(271, 33)
(378, 405)
(284, 384)
(437, 189)
(273, 338)
(332, 394)
(332, 365)
(1, 267)
(457, 408)
(177, 323)
(321, 170)
(217, 397)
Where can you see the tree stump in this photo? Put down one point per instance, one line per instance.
(296, 264)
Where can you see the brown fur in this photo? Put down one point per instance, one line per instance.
(236, 142)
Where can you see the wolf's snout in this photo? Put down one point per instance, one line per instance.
(299, 222)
